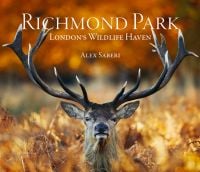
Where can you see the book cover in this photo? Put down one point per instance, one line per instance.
(103, 86)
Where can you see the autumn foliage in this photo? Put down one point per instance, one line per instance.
(66, 54)
(163, 135)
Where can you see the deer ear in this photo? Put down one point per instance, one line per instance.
(127, 110)
(72, 110)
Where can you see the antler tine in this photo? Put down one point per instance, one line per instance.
(161, 48)
(16, 46)
(41, 38)
(120, 93)
(73, 94)
(169, 68)
(85, 96)
(17, 42)
(182, 52)
(137, 84)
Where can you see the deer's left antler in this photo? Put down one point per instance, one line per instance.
(168, 71)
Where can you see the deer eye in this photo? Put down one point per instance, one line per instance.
(87, 118)
(114, 119)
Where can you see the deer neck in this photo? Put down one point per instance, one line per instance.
(100, 154)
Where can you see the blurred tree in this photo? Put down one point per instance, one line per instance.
(66, 54)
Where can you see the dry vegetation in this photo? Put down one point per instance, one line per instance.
(162, 136)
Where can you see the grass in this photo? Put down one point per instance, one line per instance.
(163, 135)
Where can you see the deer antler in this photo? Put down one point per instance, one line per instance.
(27, 61)
(121, 97)
(168, 71)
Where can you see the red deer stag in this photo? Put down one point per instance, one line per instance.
(100, 146)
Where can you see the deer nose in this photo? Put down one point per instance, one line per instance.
(101, 127)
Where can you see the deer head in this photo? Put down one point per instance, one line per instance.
(100, 119)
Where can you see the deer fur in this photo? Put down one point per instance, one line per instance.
(99, 155)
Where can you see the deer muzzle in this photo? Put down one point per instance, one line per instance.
(101, 131)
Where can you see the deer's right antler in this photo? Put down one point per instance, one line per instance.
(27, 61)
